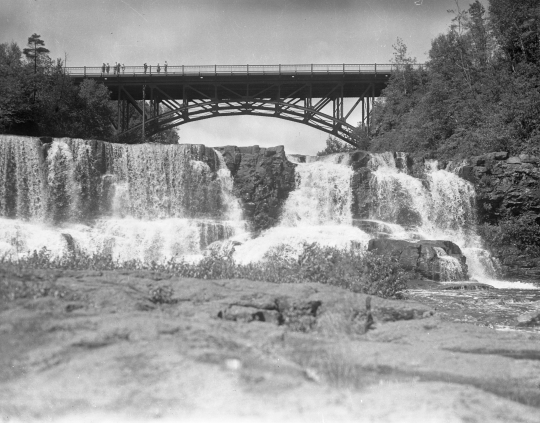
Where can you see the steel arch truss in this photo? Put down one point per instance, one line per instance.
(292, 102)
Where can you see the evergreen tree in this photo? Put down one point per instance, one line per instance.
(35, 50)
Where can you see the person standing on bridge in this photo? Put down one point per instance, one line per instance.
(103, 68)
(115, 68)
(165, 67)
(123, 68)
(145, 67)
(158, 68)
(108, 68)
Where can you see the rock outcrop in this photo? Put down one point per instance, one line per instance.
(507, 187)
(263, 178)
(437, 260)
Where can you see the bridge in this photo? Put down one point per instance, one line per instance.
(300, 93)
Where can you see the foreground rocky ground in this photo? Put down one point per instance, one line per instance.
(139, 346)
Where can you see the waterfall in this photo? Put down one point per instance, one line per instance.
(160, 202)
(441, 206)
(323, 196)
(22, 178)
(317, 211)
(148, 202)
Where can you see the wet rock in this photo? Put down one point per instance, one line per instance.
(221, 248)
(513, 160)
(70, 243)
(531, 318)
(507, 187)
(263, 179)
(438, 260)
(467, 286)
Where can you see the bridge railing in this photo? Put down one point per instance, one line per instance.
(209, 70)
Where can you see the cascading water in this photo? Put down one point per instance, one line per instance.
(160, 202)
(147, 202)
(440, 207)
(319, 210)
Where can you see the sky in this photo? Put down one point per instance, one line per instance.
(225, 32)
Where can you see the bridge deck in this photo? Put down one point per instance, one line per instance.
(243, 80)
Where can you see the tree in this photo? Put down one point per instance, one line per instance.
(333, 145)
(35, 50)
(516, 27)
(14, 105)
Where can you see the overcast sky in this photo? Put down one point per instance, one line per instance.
(196, 32)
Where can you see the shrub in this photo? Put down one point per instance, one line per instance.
(520, 232)
(348, 269)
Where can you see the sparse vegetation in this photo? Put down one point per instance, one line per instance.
(352, 270)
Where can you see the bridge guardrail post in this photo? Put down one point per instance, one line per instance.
(375, 68)
(85, 71)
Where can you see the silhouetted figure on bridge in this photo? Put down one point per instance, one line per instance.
(158, 68)
(123, 68)
(108, 68)
(118, 66)
(145, 67)
(103, 68)
(115, 68)
(165, 67)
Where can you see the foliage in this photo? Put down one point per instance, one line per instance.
(520, 232)
(162, 295)
(14, 93)
(478, 92)
(36, 50)
(333, 145)
(37, 98)
(352, 270)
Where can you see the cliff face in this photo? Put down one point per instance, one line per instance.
(507, 187)
(263, 178)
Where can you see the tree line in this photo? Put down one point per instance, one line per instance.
(478, 92)
(37, 98)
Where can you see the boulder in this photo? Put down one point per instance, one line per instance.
(531, 318)
(437, 260)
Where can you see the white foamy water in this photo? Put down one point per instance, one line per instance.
(441, 208)
(318, 211)
(163, 202)
(146, 202)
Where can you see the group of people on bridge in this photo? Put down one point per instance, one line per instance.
(158, 67)
(121, 68)
(105, 68)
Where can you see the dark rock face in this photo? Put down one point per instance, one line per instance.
(429, 258)
(507, 187)
(263, 179)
